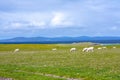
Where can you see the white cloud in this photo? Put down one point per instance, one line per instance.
(114, 28)
(16, 25)
(57, 18)
(60, 18)
(37, 24)
(13, 25)
(25, 25)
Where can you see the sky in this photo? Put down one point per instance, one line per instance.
(56, 18)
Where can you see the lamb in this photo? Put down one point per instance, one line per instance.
(114, 47)
(54, 49)
(84, 49)
(99, 48)
(73, 49)
(16, 50)
(89, 49)
(104, 47)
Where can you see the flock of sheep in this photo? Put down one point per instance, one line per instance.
(89, 49)
(86, 49)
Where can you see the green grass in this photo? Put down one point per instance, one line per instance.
(34, 59)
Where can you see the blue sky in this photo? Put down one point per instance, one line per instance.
(54, 18)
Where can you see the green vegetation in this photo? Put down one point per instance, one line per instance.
(37, 61)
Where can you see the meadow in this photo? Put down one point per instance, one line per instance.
(39, 62)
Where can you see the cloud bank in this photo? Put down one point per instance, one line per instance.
(47, 18)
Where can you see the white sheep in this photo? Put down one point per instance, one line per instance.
(73, 49)
(16, 50)
(104, 47)
(89, 49)
(114, 47)
(84, 49)
(54, 49)
(99, 48)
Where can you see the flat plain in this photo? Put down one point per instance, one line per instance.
(40, 62)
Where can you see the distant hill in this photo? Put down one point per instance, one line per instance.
(62, 39)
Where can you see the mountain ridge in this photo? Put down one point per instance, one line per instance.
(63, 39)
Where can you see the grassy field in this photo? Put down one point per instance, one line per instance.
(39, 62)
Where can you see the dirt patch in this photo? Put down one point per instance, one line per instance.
(51, 75)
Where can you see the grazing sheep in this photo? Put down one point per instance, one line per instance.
(84, 49)
(99, 48)
(104, 47)
(54, 49)
(16, 50)
(114, 47)
(89, 49)
(72, 49)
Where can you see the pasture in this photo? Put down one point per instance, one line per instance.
(40, 62)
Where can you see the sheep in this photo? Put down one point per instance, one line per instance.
(89, 49)
(84, 49)
(99, 48)
(114, 47)
(104, 47)
(54, 49)
(16, 50)
(73, 49)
